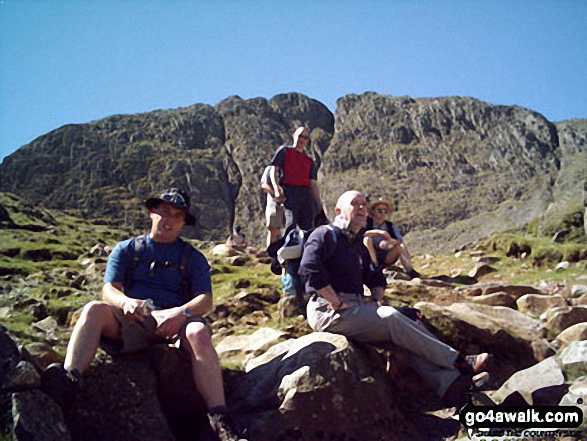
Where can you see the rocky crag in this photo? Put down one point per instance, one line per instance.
(458, 169)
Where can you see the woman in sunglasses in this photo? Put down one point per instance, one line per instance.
(384, 240)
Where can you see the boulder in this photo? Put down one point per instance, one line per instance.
(578, 290)
(537, 304)
(39, 354)
(480, 270)
(307, 389)
(489, 288)
(573, 360)
(255, 318)
(486, 260)
(37, 417)
(23, 376)
(118, 400)
(576, 397)
(564, 317)
(237, 260)
(536, 381)
(38, 255)
(241, 346)
(291, 306)
(576, 332)
(223, 250)
(496, 299)
(516, 338)
(10, 359)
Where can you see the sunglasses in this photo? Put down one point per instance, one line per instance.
(175, 199)
(382, 210)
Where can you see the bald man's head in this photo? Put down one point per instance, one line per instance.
(352, 206)
(346, 198)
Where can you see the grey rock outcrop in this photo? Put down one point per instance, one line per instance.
(536, 304)
(461, 153)
(255, 128)
(516, 339)
(548, 381)
(38, 418)
(307, 389)
(544, 375)
(108, 167)
(460, 168)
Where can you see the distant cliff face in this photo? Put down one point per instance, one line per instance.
(451, 164)
(443, 159)
(106, 167)
(255, 129)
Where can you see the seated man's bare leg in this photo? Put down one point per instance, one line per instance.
(95, 321)
(205, 364)
(404, 257)
(368, 242)
(393, 254)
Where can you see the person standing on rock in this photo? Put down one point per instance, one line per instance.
(297, 188)
(387, 249)
(156, 289)
(274, 211)
(336, 264)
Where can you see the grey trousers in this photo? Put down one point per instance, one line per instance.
(431, 359)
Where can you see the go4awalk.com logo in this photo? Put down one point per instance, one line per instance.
(544, 422)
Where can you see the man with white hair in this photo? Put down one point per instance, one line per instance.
(336, 264)
(297, 188)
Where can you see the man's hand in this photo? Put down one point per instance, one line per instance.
(342, 306)
(387, 243)
(384, 234)
(169, 321)
(133, 309)
(279, 194)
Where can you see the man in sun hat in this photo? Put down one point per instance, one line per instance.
(156, 289)
(388, 246)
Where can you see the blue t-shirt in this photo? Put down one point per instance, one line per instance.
(161, 283)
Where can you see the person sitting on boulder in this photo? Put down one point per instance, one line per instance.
(338, 305)
(156, 289)
(237, 239)
(386, 249)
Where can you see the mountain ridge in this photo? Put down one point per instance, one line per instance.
(443, 160)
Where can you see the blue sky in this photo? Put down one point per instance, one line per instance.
(74, 61)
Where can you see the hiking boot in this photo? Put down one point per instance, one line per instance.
(457, 393)
(61, 384)
(473, 364)
(224, 426)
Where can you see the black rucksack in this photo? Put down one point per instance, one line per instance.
(182, 266)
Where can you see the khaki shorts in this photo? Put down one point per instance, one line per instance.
(138, 336)
(274, 213)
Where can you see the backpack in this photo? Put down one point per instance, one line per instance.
(291, 246)
(266, 178)
(182, 266)
(290, 249)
